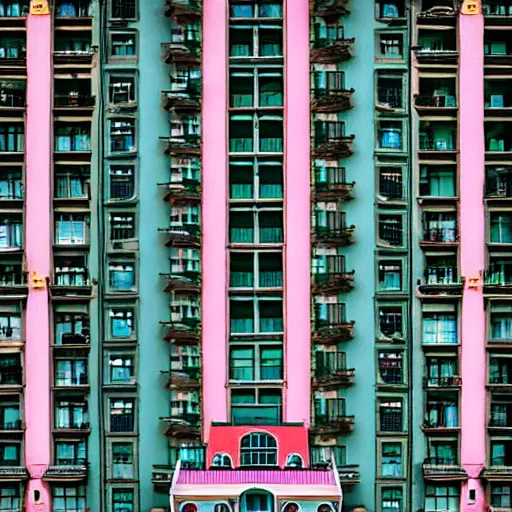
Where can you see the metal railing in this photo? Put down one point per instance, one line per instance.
(329, 363)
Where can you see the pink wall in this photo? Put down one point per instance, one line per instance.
(472, 230)
(214, 215)
(297, 213)
(37, 246)
(290, 439)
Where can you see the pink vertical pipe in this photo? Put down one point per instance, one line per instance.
(297, 212)
(472, 230)
(214, 213)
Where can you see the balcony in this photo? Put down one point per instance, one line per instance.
(330, 45)
(14, 473)
(331, 183)
(497, 12)
(71, 277)
(441, 278)
(437, 47)
(330, 140)
(442, 382)
(188, 234)
(331, 228)
(331, 325)
(330, 8)
(182, 10)
(439, 232)
(184, 332)
(500, 413)
(332, 276)
(12, 278)
(330, 417)
(181, 189)
(71, 416)
(72, 470)
(185, 138)
(12, 96)
(497, 47)
(441, 413)
(331, 371)
(186, 281)
(183, 423)
(438, 140)
(182, 50)
(436, 97)
(390, 93)
(11, 372)
(443, 469)
(495, 472)
(498, 276)
(74, 101)
(73, 50)
(187, 378)
(14, 55)
(320, 458)
(329, 93)
(437, 12)
(185, 93)
(13, 13)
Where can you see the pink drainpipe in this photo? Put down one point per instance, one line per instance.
(38, 253)
(297, 214)
(214, 214)
(472, 238)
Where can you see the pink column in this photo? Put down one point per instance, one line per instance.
(38, 254)
(297, 213)
(215, 208)
(472, 230)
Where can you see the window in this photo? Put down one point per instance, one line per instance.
(72, 183)
(441, 269)
(123, 45)
(256, 227)
(185, 262)
(391, 230)
(442, 453)
(71, 138)
(121, 369)
(10, 370)
(391, 321)
(122, 182)
(390, 135)
(501, 496)
(500, 324)
(122, 460)
(71, 270)
(391, 369)
(437, 181)
(391, 460)
(256, 362)
(71, 328)
(71, 229)
(390, 9)
(391, 45)
(257, 502)
(10, 498)
(390, 415)
(441, 371)
(437, 136)
(392, 499)
(442, 412)
(501, 228)
(121, 275)
(12, 138)
(10, 326)
(122, 500)
(70, 498)
(391, 182)
(11, 233)
(121, 322)
(442, 498)
(257, 315)
(499, 370)
(256, 406)
(498, 182)
(123, 9)
(82, 8)
(71, 414)
(70, 453)
(222, 460)
(10, 454)
(122, 135)
(440, 328)
(71, 372)
(122, 415)
(390, 275)
(11, 185)
(258, 449)
(10, 413)
(122, 226)
(330, 314)
(390, 91)
(122, 89)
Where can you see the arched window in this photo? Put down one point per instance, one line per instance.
(221, 507)
(222, 460)
(294, 460)
(291, 506)
(258, 449)
(188, 507)
(325, 507)
(257, 501)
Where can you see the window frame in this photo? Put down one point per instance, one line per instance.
(111, 45)
(111, 400)
(403, 456)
